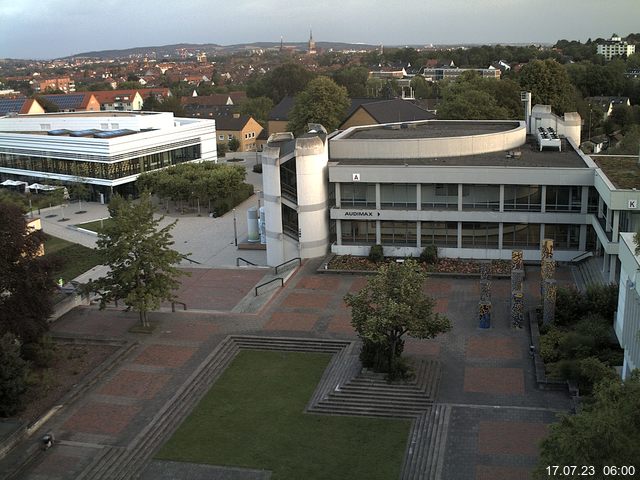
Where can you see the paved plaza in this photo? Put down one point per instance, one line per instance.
(498, 415)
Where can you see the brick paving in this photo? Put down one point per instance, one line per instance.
(494, 347)
(165, 355)
(512, 438)
(508, 381)
(488, 472)
(102, 418)
(292, 321)
(131, 383)
(498, 414)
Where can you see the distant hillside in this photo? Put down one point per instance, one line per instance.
(170, 50)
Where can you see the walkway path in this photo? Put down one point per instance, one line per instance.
(494, 413)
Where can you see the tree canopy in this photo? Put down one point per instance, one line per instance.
(474, 98)
(354, 79)
(604, 433)
(285, 80)
(142, 264)
(549, 84)
(392, 304)
(27, 280)
(258, 108)
(323, 101)
(221, 184)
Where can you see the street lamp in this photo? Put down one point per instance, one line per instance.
(235, 229)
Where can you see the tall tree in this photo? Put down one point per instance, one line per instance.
(323, 101)
(392, 304)
(549, 84)
(258, 108)
(285, 80)
(604, 433)
(26, 281)
(142, 264)
(13, 375)
(354, 79)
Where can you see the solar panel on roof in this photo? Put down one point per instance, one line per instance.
(11, 105)
(66, 102)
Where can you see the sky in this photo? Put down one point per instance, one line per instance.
(45, 29)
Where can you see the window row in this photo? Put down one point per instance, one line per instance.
(442, 196)
(109, 171)
(472, 235)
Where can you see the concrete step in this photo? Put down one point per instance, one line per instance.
(366, 411)
(392, 402)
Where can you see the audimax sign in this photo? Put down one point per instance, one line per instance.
(361, 213)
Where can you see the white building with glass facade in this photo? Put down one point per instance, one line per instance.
(105, 150)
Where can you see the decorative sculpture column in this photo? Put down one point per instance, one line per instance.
(548, 286)
(484, 307)
(517, 292)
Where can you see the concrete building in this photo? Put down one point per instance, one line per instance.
(627, 321)
(615, 47)
(107, 151)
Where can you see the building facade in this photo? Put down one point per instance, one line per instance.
(107, 151)
(615, 47)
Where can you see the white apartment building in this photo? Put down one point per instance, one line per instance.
(615, 47)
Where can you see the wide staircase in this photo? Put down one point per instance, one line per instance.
(588, 272)
(344, 389)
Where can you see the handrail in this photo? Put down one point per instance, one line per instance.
(288, 261)
(173, 305)
(185, 257)
(244, 260)
(582, 256)
(267, 283)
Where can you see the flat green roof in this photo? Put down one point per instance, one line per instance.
(623, 171)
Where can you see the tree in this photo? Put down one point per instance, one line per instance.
(323, 101)
(258, 108)
(13, 375)
(234, 144)
(142, 264)
(354, 79)
(26, 281)
(549, 84)
(604, 433)
(475, 98)
(391, 305)
(285, 80)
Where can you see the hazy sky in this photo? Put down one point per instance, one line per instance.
(56, 28)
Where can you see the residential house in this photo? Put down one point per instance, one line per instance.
(66, 84)
(606, 104)
(74, 102)
(23, 106)
(385, 111)
(242, 127)
(122, 100)
(615, 46)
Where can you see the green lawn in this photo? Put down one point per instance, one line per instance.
(253, 418)
(95, 225)
(74, 259)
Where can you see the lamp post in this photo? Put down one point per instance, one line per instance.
(235, 229)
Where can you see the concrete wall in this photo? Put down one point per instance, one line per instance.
(313, 193)
(627, 320)
(343, 146)
(272, 193)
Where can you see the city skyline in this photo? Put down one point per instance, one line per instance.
(53, 29)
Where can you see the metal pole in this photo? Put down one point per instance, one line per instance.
(235, 229)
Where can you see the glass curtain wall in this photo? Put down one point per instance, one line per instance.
(439, 196)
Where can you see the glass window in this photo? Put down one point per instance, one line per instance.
(565, 237)
(481, 197)
(563, 199)
(358, 195)
(398, 195)
(398, 233)
(520, 235)
(522, 198)
(480, 235)
(441, 234)
(439, 196)
(358, 232)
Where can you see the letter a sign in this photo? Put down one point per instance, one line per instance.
(356, 177)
